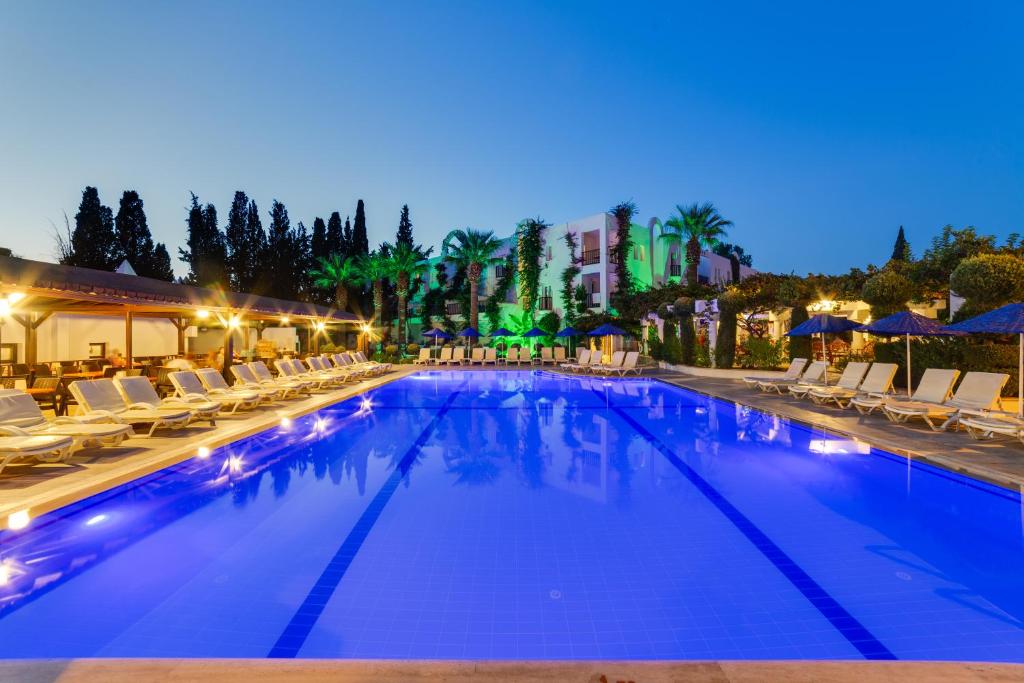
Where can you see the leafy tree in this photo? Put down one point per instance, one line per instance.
(887, 292)
(698, 226)
(405, 263)
(471, 250)
(334, 273)
(582, 307)
(93, 243)
(947, 250)
(901, 249)
(683, 309)
(671, 348)
(737, 257)
(988, 281)
(206, 255)
(568, 279)
(404, 228)
(528, 251)
(730, 304)
(623, 214)
(246, 245)
(335, 237)
(374, 269)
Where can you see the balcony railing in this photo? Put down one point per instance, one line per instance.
(546, 303)
(675, 270)
(594, 300)
(591, 257)
(453, 308)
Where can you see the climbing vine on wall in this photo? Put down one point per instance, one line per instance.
(619, 252)
(492, 309)
(569, 279)
(528, 240)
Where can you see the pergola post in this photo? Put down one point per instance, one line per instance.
(180, 324)
(128, 338)
(31, 324)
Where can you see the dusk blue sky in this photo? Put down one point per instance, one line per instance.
(818, 128)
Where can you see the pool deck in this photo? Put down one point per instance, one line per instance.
(383, 671)
(999, 461)
(42, 487)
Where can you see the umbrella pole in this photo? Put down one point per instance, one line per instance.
(908, 366)
(824, 355)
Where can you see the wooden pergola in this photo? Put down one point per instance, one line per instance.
(33, 291)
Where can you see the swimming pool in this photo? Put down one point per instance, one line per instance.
(524, 515)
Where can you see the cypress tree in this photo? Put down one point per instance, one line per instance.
(346, 239)
(301, 263)
(335, 238)
(246, 245)
(279, 282)
(161, 263)
(360, 241)
(206, 255)
(901, 249)
(134, 240)
(318, 240)
(93, 242)
(404, 235)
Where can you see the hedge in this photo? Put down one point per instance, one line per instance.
(965, 355)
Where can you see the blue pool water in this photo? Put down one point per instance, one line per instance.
(526, 515)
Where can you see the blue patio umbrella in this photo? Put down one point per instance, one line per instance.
(436, 334)
(535, 332)
(1006, 320)
(469, 333)
(607, 330)
(823, 324)
(502, 332)
(908, 324)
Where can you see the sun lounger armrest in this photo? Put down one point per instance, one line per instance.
(141, 406)
(187, 398)
(113, 417)
(11, 430)
(69, 420)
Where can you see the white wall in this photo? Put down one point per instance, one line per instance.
(67, 337)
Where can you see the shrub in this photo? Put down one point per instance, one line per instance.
(987, 282)
(730, 304)
(654, 345)
(964, 354)
(762, 353)
(799, 347)
(672, 351)
(887, 292)
(687, 341)
(412, 349)
(702, 355)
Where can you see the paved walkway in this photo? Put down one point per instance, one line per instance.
(383, 671)
(998, 461)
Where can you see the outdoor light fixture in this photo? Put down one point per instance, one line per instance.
(234, 321)
(203, 452)
(366, 328)
(18, 520)
(286, 422)
(202, 314)
(320, 327)
(5, 306)
(284, 320)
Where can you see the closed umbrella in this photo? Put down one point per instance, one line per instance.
(909, 324)
(569, 332)
(823, 324)
(1006, 320)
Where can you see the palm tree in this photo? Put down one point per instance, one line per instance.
(405, 263)
(374, 269)
(335, 272)
(698, 225)
(474, 250)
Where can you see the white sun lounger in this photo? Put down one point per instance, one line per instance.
(20, 416)
(878, 382)
(43, 448)
(582, 360)
(294, 370)
(215, 382)
(850, 379)
(138, 391)
(490, 356)
(547, 355)
(936, 386)
(102, 402)
(263, 374)
(559, 355)
(424, 357)
(814, 374)
(796, 366)
(977, 392)
(343, 361)
(459, 355)
(629, 364)
(445, 356)
(360, 357)
(613, 365)
(476, 357)
(187, 385)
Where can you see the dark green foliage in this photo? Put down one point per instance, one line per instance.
(762, 353)
(654, 345)
(799, 347)
(288, 269)
(933, 270)
(967, 354)
(581, 301)
(619, 252)
(901, 249)
(161, 264)
(135, 242)
(334, 236)
(887, 292)
(318, 239)
(687, 340)
(549, 322)
(404, 235)
(671, 347)
(737, 257)
(206, 255)
(92, 243)
(987, 282)
(246, 245)
(492, 309)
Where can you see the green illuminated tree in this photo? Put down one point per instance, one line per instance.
(473, 250)
(698, 227)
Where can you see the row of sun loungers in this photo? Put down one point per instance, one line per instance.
(110, 409)
(867, 387)
(489, 356)
(621, 363)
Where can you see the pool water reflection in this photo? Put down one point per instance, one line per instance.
(520, 514)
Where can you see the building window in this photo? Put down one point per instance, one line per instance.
(591, 257)
(453, 308)
(546, 301)
(547, 253)
(674, 269)
(499, 271)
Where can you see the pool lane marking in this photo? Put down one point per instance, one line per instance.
(302, 622)
(844, 622)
